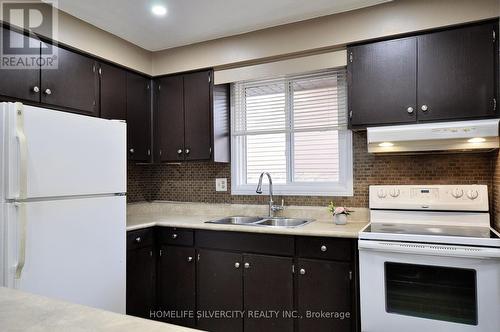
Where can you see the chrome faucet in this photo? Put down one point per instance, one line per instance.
(272, 208)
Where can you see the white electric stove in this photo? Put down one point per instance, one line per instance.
(429, 260)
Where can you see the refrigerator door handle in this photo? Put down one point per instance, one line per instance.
(21, 212)
(23, 152)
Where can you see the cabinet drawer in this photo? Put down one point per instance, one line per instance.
(139, 238)
(246, 242)
(176, 236)
(324, 248)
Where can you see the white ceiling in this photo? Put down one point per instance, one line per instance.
(191, 21)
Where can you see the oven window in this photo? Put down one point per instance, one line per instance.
(434, 292)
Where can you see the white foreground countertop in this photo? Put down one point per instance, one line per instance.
(20, 311)
(194, 216)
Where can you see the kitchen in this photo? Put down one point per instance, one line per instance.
(292, 166)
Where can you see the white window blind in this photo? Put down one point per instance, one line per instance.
(296, 129)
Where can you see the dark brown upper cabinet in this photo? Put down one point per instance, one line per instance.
(382, 82)
(197, 116)
(19, 84)
(138, 117)
(437, 76)
(73, 85)
(456, 76)
(170, 118)
(189, 125)
(113, 83)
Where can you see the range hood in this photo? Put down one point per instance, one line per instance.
(461, 136)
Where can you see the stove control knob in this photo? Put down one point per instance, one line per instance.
(457, 193)
(394, 193)
(381, 193)
(472, 194)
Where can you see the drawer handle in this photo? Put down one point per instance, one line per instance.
(302, 271)
(323, 248)
(247, 265)
(237, 265)
(190, 259)
(138, 239)
(174, 236)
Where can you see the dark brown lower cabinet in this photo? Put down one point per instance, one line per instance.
(324, 287)
(220, 290)
(177, 285)
(268, 293)
(235, 282)
(140, 281)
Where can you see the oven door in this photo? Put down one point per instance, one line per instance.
(424, 287)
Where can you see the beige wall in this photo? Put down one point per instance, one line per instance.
(400, 16)
(292, 40)
(88, 38)
(93, 40)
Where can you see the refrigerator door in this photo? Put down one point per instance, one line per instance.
(57, 154)
(75, 250)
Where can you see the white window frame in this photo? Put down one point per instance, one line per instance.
(344, 187)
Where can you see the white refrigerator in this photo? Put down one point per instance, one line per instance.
(63, 205)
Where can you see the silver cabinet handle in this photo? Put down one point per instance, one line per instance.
(323, 248)
(247, 265)
(179, 151)
(36, 89)
(302, 271)
(410, 110)
(48, 91)
(174, 236)
(132, 150)
(236, 265)
(190, 259)
(138, 239)
(424, 108)
(187, 151)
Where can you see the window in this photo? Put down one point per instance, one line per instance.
(296, 129)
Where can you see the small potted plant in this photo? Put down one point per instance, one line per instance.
(339, 213)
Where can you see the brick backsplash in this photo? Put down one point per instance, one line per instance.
(195, 181)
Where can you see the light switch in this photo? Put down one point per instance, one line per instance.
(221, 184)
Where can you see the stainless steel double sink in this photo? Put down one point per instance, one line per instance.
(262, 221)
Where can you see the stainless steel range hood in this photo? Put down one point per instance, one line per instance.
(461, 136)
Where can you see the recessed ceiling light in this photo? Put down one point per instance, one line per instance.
(477, 140)
(386, 145)
(159, 10)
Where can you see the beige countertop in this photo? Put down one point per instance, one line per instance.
(20, 311)
(194, 215)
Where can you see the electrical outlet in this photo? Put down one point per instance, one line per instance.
(221, 184)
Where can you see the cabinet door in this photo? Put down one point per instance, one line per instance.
(220, 285)
(73, 85)
(177, 284)
(113, 92)
(170, 124)
(324, 286)
(197, 108)
(382, 82)
(138, 117)
(268, 286)
(456, 76)
(140, 282)
(19, 84)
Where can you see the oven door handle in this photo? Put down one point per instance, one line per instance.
(430, 249)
